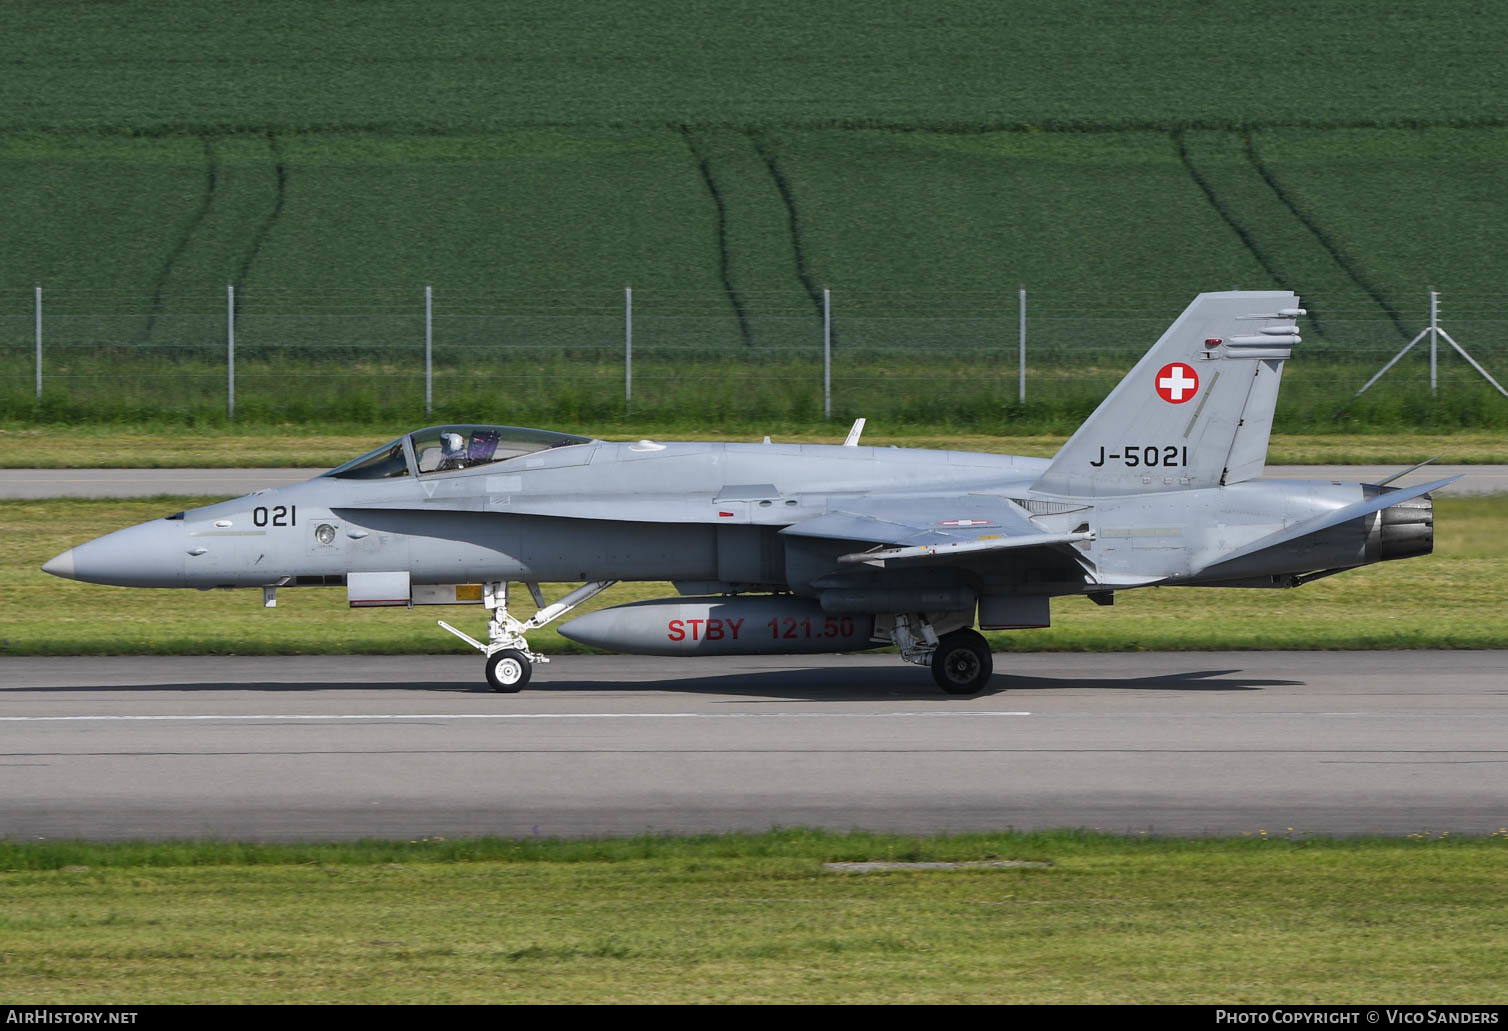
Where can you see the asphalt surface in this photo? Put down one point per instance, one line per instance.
(293, 748)
(135, 483)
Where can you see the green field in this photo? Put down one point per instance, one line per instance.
(1445, 600)
(530, 163)
(162, 67)
(1272, 917)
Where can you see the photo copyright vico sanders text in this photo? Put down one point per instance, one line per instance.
(1380, 1015)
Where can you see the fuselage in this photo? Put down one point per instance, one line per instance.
(707, 513)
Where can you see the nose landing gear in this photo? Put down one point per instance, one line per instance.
(510, 662)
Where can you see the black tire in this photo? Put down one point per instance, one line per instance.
(962, 662)
(508, 671)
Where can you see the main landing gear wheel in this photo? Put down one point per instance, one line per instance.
(508, 671)
(962, 664)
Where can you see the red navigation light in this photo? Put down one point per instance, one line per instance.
(1212, 342)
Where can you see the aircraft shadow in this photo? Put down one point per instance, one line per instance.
(825, 684)
(829, 684)
(439, 686)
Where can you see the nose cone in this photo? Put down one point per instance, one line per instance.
(62, 565)
(149, 555)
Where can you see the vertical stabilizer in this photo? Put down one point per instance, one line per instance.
(1196, 411)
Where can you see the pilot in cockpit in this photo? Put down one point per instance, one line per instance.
(452, 451)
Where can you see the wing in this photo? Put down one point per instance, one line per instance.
(929, 528)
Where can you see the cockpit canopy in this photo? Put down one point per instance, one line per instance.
(439, 449)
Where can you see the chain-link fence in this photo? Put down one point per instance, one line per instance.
(596, 357)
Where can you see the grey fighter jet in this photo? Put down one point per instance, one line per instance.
(797, 548)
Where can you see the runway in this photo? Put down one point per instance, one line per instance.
(330, 747)
(134, 483)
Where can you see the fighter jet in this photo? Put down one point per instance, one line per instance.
(796, 548)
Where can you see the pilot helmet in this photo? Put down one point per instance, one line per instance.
(452, 445)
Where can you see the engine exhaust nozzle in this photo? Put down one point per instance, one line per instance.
(1403, 530)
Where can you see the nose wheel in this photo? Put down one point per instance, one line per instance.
(508, 671)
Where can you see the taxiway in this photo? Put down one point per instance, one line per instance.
(331, 747)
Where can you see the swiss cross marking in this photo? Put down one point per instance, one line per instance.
(1177, 383)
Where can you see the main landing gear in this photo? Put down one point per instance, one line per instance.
(510, 663)
(962, 663)
(960, 658)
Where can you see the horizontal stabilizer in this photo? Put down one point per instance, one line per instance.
(1376, 503)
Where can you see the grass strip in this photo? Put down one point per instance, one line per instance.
(324, 447)
(1271, 917)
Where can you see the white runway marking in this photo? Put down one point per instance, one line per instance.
(523, 716)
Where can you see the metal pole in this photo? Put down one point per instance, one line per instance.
(827, 353)
(39, 341)
(1462, 352)
(1021, 349)
(429, 341)
(628, 345)
(1433, 331)
(1389, 365)
(1434, 335)
(230, 351)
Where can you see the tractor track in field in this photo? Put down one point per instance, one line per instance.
(1342, 260)
(723, 264)
(788, 197)
(212, 177)
(280, 167)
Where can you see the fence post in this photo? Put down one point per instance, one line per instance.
(1434, 332)
(230, 351)
(827, 353)
(429, 311)
(39, 341)
(1434, 335)
(1021, 349)
(628, 346)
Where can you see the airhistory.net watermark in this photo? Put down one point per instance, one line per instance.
(48, 1015)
